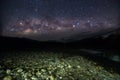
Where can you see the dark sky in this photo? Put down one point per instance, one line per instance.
(62, 18)
(67, 7)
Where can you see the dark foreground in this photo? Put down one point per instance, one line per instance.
(24, 60)
(36, 65)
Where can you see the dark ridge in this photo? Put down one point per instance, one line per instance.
(111, 42)
(23, 43)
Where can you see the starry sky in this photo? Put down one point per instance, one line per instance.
(58, 19)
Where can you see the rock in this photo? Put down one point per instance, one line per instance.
(34, 78)
(69, 66)
(78, 66)
(19, 70)
(43, 70)
(7, 78)
(52, 77)
(29, 74)
(8, 71)
(60, 77)
(38, 74)
(115, 58)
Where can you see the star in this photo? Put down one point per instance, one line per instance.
(69, 17)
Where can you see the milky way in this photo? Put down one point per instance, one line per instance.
(58, 19)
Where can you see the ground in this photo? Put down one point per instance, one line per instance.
(53, 65)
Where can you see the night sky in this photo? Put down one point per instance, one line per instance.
(59, 19)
